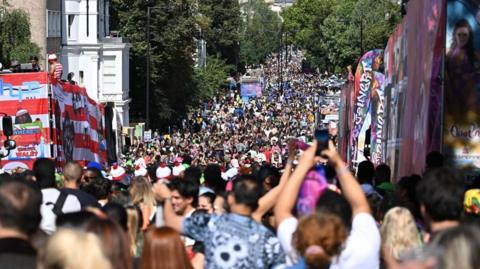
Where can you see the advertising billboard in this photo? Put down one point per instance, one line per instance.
(24, 97)
(461, 127)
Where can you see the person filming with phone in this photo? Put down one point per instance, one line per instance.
(340, 231)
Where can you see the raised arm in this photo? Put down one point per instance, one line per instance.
(269, 199)
(163, 194)
(350, 187)
(51, 70)
(284, 206)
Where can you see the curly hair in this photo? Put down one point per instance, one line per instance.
(326, 231)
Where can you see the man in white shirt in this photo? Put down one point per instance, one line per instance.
(53, 203)
(362, 248)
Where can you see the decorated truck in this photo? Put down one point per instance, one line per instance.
(50, 120)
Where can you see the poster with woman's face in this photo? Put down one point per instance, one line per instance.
(462, 84)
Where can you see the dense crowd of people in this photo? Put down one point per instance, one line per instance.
(243, 184)
(231, 131)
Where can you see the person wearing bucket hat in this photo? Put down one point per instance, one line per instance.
(117, 172)
(178, 168)
(140, 171)
(163, 172)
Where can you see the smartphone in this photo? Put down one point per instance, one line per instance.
(322, 136)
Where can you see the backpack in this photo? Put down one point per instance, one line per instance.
(54, 205)
(57, 208)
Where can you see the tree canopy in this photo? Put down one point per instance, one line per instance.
(237, 35)
(221, 27)
(172, 29)
(210, 79)
(232, 39)
(331, 30)
(260, 32)
(15, 36)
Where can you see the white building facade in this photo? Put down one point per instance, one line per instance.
(99, 62)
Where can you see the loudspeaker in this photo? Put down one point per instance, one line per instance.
(7, 126)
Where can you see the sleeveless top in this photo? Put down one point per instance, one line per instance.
(57, 74)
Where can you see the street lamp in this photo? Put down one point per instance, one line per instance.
(361, 21)
(147, 94)
(149, 4)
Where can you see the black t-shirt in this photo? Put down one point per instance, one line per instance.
(84, 198)
(16, 253)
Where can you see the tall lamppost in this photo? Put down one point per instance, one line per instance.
(361, 31)
(149, 4)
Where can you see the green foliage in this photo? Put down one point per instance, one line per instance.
(173, 28)
(302, 24)
(260, 32)
(342, 29)
(211, 79)
(329, 30)
(15, 36)
(222, 34)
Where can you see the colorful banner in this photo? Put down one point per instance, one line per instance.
(345, 120)
(413, 64)
(462, 85)
(24, 97)
(395, 61)
(365, 86)
(425, 20)
(79, 125)
(378, 112)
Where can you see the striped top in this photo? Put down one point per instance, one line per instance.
(58, 71)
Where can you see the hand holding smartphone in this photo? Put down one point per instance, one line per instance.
(322, 136)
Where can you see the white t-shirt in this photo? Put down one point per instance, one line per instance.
(49, 198)
(285, 231)
(362, 248)
(232, 172)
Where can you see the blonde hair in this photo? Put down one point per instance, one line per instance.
(399, 231)
(141, 192)
(133, 224)
(142, 196)
(72, 249)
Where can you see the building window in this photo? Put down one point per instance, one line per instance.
(53, 23)
(81, 77)
(72, 29)
(71, 18)
(109, 73)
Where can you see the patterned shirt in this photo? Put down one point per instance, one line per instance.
(234, 241)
